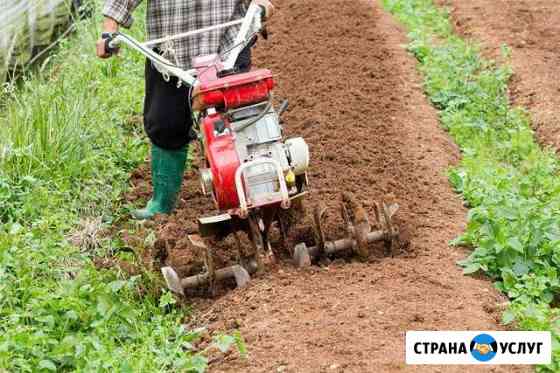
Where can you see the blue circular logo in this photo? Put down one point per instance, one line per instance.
(483, 347)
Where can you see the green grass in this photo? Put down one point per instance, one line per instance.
(66, 152)
(510, 184)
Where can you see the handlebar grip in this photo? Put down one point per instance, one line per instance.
(111, 45)
(263, 12)
(263, 31)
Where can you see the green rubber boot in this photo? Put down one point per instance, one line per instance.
(168, 167)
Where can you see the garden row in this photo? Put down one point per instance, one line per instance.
(510, 184)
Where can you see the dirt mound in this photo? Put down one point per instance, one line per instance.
(357, 100)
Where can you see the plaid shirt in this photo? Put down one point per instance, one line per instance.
(171, 17)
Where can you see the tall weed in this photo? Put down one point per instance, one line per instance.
(67, 147)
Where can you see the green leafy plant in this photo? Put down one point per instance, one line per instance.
(510, 184)
(66, 151)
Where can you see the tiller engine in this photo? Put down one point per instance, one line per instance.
(254, 175)
(250, 170)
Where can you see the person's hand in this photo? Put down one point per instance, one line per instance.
(267, 5)
(109, 26)
(100, 49)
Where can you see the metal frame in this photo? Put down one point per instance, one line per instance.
(251, 19)
(188, 34)
(163, 64)
(251, 23)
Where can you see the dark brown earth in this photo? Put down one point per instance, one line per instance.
(357, 99)
(531, 28)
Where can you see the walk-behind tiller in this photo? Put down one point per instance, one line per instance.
(255, 176)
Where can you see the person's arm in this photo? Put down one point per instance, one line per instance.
(117, 13)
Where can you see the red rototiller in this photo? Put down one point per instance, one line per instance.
(254, 175)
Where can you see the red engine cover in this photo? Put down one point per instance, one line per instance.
(232, 91)
(223, 159)
(237, 90)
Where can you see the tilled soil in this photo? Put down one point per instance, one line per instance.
(357, 99)
(531, 28)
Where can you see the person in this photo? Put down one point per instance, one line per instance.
(167, 113)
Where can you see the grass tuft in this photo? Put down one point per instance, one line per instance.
(67, 146)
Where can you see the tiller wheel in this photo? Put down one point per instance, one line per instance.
(209, 278)
(358, 230)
